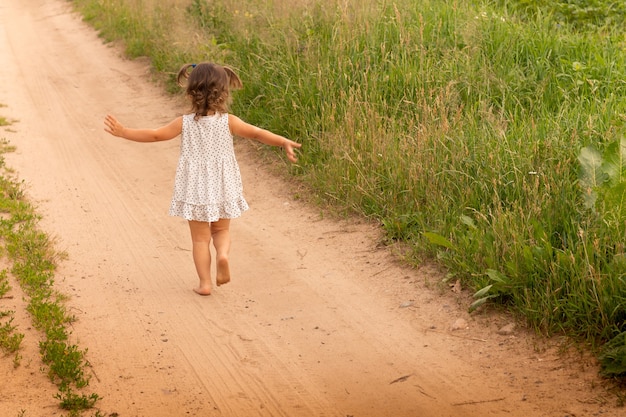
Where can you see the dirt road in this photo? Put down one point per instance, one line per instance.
(318, 320)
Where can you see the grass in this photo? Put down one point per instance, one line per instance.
(459, 126)
(10, 337)
(33, 260)
(3, 120)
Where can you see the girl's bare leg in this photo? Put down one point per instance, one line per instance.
(220, 231)
(201, 239)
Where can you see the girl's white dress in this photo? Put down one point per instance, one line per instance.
(208, 183)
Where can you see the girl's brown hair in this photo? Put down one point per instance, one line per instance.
(208, 87)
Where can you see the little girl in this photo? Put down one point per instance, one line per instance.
(208, 191)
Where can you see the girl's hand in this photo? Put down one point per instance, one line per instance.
(245, 130)
(167, 132)
(112, 126)
(289, 146)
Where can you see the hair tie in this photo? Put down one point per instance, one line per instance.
(193, 65)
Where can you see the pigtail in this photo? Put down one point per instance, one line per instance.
(208, 86)
(233, 79)
(183, 73)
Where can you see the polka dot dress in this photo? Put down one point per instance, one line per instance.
(208, 183)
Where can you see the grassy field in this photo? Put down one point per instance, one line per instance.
(488, 136)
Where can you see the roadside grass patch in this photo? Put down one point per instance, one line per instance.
(3, 120)
(33, 262)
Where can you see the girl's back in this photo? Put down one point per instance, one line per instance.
(208, 182)
(207, 138)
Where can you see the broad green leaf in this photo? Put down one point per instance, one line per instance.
(615, 161)
(497, 276)
(591, 174)
(615, 200)
(468, 221)
(438, 240)
(482, 291)
(479, 302)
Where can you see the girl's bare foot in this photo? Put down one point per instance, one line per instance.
(223, 271)
(203, 290)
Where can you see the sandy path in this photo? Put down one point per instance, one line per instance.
(313, 323)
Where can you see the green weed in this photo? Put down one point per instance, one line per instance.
(4, 121)
(9, 340)
(76, 402)
(5, 146)
(5, 286)
(33, 260)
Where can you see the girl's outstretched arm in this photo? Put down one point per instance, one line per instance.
(167, 132)
(245, 130)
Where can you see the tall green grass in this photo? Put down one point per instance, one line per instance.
(458, 125)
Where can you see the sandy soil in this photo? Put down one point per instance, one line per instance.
(319, 320)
